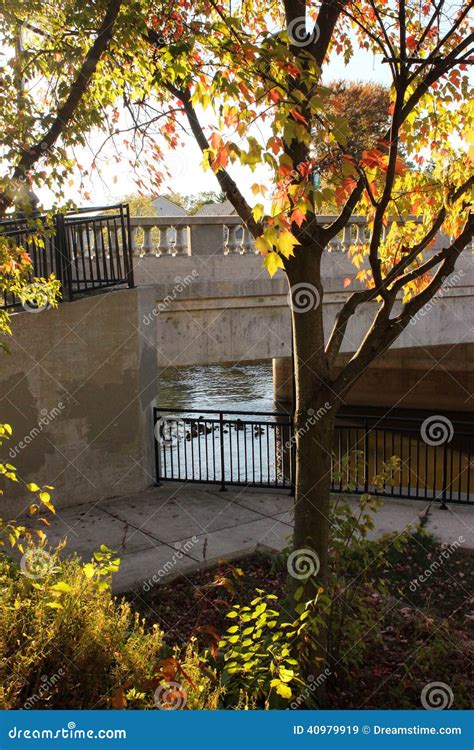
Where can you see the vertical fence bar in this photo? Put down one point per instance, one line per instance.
(157, 451)
(221, 436)
(127, 243)
(366, 455)
(444, 480)
(292, 458)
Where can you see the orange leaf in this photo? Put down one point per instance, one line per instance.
(118, 700)
(275, 95)
(298, 116)
(298, 216)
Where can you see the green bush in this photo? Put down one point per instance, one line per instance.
(65, 642)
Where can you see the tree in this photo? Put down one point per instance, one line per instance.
(235, 69)
(140, 205)
(196, 201)
(247, 82)
(61, 42)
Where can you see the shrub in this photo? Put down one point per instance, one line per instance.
(65, 642)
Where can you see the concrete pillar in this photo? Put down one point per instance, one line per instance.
(207, 239)
(282, 379)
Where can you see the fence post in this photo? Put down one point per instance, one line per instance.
(221, 439)
(292, 457)
(62, 255)
(445, 477)
(127, 243)
(157, 450)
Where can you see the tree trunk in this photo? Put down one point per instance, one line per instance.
(315, 414)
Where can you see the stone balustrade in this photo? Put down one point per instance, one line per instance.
(190, 235)
(157, 236)
(211, 235)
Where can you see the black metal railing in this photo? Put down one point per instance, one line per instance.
(257, 449)
(225, 448)
(87, 250)
(440, 467)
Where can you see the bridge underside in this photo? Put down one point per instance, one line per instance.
(439, 378)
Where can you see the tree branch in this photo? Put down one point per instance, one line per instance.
(227, 184)
(76, 92)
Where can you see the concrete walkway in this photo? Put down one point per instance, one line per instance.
(175, 529)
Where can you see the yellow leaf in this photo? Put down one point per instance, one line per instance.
(89, 570)
(262, 245)
(258, 211)
(272, 263)
(283, 690)
(286, 242)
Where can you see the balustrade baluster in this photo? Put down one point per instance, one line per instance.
(163, 246)
(147, 246)
(181, 245)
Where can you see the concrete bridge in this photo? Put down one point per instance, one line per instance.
(82, 380)
(223, 307)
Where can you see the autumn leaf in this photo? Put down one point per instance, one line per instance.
(298, 216)
(285, 243)
(298, 116)
(118, 700)
(272, 263)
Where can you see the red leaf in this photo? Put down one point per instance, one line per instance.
(298, 216)
(298, 116)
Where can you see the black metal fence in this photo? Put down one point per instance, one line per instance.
(87, 250)
(235, 448)
(257, 449)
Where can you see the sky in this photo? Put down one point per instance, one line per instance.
(184, 164)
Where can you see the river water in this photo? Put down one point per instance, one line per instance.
(231, 387)
(259, 454)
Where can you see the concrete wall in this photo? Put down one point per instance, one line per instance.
(77, 390)
(223, 309)
(438, 378)
(81, 380)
